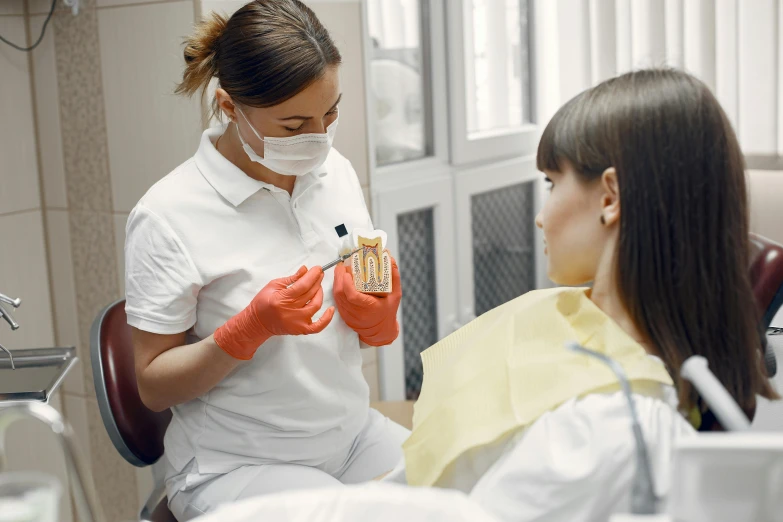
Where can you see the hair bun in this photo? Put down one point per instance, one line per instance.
(200, 50)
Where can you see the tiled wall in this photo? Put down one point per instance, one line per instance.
(89, 123)
(23, 257)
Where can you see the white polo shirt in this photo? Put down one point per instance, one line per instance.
(199, 246)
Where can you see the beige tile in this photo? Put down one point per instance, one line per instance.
(76, 415)
(31, 446)
(371, 376)
(75, 409)
(11, 7)
(766, 193)
(150, 130)
(344, 22)
(47, 101)
(124, 3)
(226, 7)
(42, 7)
(74, 382)
(95, 275)
(145, 483)
(369, 356)
(115, 479)
(119, 239)
(19, 185)
(66, 322)
(23, 274)
(83, 122)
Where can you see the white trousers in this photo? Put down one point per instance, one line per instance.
(375, 451)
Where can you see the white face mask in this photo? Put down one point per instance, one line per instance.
(292, 156)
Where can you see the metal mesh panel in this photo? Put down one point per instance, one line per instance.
(504, 264)
(419, 305)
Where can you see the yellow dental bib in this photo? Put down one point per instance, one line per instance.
(502, 371)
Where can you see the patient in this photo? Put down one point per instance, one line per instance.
(648, 202)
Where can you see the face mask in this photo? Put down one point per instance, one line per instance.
(292, 156)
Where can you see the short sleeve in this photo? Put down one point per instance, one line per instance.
(161, 280)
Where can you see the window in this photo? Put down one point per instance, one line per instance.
(398, 76)
(454, 183)
(489, 78)
(495, 65)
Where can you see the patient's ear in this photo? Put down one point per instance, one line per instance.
(610, 197)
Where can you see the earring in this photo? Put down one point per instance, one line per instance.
(603, 220)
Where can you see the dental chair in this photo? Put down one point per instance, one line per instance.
(766, 276)
(136, 431)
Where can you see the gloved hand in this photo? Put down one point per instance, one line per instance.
(374, 318)
(276, 310)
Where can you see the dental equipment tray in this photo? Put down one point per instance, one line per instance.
(38, 374)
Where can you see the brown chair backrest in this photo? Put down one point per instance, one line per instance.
(136, 431)
(766, 274)
(766, 277)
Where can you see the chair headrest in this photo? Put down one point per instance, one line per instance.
(136, 431)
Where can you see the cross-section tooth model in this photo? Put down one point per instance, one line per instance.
(371, 265)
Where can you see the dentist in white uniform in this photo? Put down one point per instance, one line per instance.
(255, 354)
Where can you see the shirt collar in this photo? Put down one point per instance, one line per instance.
(227, 179)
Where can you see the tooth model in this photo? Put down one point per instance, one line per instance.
(371, 265)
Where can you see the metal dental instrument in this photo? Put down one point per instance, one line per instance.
(336, 262)
(643, 498)
(339, 260)
(10, 320)
(10, 356)
(16, 303)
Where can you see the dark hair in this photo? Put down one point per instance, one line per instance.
(266, 53)
(683, 255)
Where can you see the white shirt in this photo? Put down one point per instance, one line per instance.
(199, 246)
(574, 463)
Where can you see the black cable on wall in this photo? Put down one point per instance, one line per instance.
(40, 38)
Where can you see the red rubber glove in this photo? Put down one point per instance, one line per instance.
(276, 310)
(373, 317)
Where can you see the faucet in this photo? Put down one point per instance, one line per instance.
(16, 303)
(84, 491)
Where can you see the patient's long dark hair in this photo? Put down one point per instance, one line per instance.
(683, 254)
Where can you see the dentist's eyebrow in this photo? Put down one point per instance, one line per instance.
(305, 118)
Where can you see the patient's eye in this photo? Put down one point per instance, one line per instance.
(549, 183)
